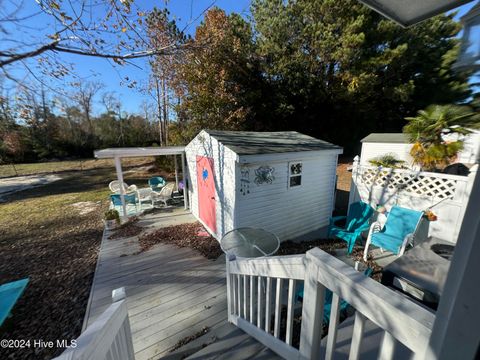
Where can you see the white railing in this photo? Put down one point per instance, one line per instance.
(446, 195)
(256, 301)
(108, 337)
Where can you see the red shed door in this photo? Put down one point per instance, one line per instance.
(206, 192)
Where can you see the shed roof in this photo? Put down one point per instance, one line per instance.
(138, 151)
(400, 138)
(253, 143)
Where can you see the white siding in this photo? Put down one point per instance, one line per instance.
(288, 212)
(373, 150)
(471, 147)
(224, 169)
(469, 155)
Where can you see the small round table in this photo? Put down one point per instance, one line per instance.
(249, 242)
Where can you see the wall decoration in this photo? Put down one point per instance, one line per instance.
(244, 180)
(264, 175)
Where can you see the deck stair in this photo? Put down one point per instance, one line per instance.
(224, 342)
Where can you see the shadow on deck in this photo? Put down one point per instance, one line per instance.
(172, 292)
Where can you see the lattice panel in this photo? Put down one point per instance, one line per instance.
(415, 184)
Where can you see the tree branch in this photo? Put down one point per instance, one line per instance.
(29, 54)
(54, 46)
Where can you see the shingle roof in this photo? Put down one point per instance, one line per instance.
(253, 143)
(400, 138)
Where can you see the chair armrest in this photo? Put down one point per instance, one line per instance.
(375, 227)
(334, 219)
(362, 228)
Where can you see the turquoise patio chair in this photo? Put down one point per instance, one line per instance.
(398, 231)
(157, 183)
(327, 304)
(9, 294)
(359, 213)
(131, 198)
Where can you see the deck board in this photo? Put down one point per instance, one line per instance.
(171, 292)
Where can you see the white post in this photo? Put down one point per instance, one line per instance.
(455, 331)
(312, 312)
(118, 167)
(229, 289)
(185, 188)
(353, 183)
(176, 171)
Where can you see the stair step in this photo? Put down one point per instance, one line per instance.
(201, 342)
(223, 342)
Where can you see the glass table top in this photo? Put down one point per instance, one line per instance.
(249, 242)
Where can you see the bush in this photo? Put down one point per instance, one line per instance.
(112, 214)
(388, 161)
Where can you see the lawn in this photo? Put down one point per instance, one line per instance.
(52, 235)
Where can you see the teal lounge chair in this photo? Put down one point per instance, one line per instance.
(397, 232)
(131, 198)
(157, 183)
(9, 294)
(327, 304)
(359, 214)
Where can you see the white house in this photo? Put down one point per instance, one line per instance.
(283, 182)
(378, 144)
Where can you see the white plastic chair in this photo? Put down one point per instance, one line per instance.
(115, 187)
(163, 195)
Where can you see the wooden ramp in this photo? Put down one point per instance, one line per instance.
(172, 293)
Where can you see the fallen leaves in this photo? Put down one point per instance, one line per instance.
(185, 235)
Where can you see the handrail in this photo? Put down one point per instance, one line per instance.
(284, 267)
(256, 303)
(108, 337)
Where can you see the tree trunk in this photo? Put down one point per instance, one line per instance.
(165, 110)
(159, 110)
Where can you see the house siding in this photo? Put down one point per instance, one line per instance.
(470, 153)
(288, 212)
(224, 168)
(373, 150)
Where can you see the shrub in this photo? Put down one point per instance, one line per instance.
(112, 214)
(388, 161)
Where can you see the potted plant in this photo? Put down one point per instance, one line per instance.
(112, 219)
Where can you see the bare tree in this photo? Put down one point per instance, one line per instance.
(85, 95)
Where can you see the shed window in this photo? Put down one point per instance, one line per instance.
(295, 174)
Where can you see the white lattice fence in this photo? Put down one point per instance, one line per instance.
(446, 195)
(415, 183)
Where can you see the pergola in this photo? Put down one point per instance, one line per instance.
(118, 153)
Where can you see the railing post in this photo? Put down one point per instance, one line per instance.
(229, 289)
(353, 182)
(312, 312)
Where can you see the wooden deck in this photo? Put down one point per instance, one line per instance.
(171, 292)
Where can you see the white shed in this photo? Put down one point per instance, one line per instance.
(283, 182)
(378, 144)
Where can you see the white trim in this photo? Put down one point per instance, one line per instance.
(290, 175)
(286, 156)
(138, 152)
(455, 332)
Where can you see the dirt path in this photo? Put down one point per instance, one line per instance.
(13, 184)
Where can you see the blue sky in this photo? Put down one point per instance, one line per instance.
(101, 70)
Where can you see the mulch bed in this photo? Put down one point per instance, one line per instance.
(330, 246)
(60, 264)
(292, 248)
(185, 235)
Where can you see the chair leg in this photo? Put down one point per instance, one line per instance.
(365, 251)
